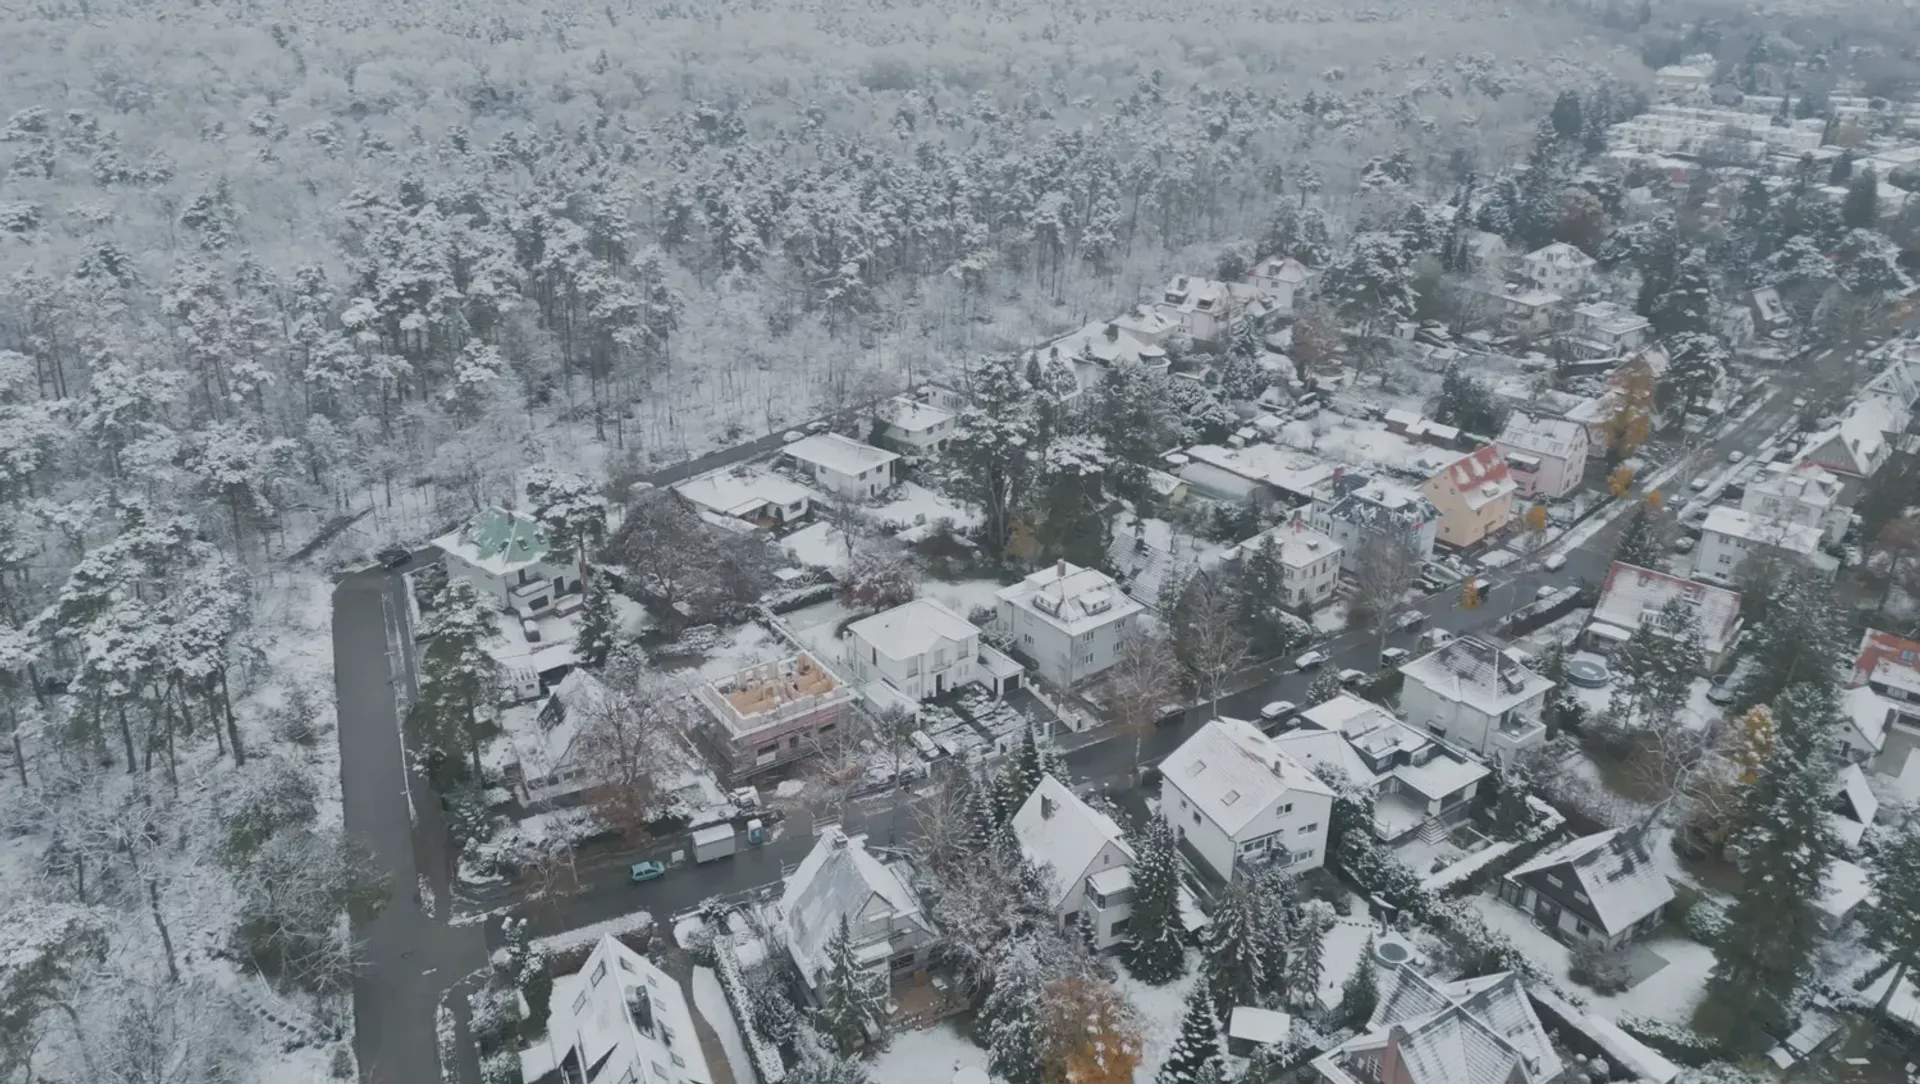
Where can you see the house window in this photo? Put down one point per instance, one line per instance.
(902, 961)
(579, 1003)
(1119, 927)
(1196, 816)
(1582, 928)
(1308, 829)
(1286, 809)
(1581, 896)
(1554, 880)
(598, 974)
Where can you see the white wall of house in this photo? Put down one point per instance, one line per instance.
(1463, 724)
(1298, 820)
(942, 668)
(1312, 583)
(1102, 918)
(1557, 476)
(1061, 657)
(558, 579)
(868, 483)
(1719, 554)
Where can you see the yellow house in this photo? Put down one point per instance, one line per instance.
(1474, 495)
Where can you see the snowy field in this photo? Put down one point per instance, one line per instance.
(1670, 994)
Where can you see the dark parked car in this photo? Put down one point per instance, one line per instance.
(393, 556)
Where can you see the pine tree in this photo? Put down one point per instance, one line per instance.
(1656, 666)
(1273, 913)
(1889, 924)
(1786, 849)
(1641, 543)
(850, 1002)
(1306, 955)
(1023, 772)
(598, 625)
(1155, 950)
(1795, 641)
(1242, 378)
(818, 1065)
(1512, 817)
(1860, 208)
(1011, 1018)
(1233, 966)
(1686, 303)
(459, 681)
(1324, 688)
(1361, 992)
(1195, 1057)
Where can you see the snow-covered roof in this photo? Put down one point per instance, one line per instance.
(1867, 712)
(912, 415)
(1766, 302)
(1473, 1031)
(1609, 318)
(1544, 434)
(1559, 254)
(912, 629)
(1633, 596)
(1071, 598)
(1063, 836)
(1471, 671)
(1297, 545)
(543, 743)
(496, 542)
(1847, 887)
(1378, 504)
(1281, 269)
(838, 879)
(1799, 482)
(622, 1014)
(1734, 523)
(1851, 784)
(1315, 747)
(1534, 299)
(1862, 440)
(1440, 775)
(1481, 476)
(741, 490)
(1283, 469)
(1133, 336)
(840, 454)
(1233, 773)
(1886, 659)
(1260, 1026)
(1616, 871)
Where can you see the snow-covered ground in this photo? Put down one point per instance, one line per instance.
(929, 1056)
(910, 504)
(1158, 1010)
(711, 1002)
(819, 544)
(1670, 994)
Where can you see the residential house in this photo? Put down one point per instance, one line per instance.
(618, 1019)
(1867, 718)
(1138, 336)
(1474, 495)
(1866, 436)
(1679, 81)
(1476, 697)
(840, 880)
(923, 649)
(1602, 890)
(913, 428)
(1888, 667)
(1633, 596)
(1847, 886)
(1282, 278)
(746, 495)
(548, 763)
(1559, 268)
(505, 556)
(1354, 508)
(1418, 783)
(771, 713)
(843, 465)
(1547, 455)
(1490, 253)
(1262, 473)
(1423, 1031)
(1309, 562)
(1069, 621)
(1530, 312)
(1770, 313)
(1210, 310)
(1728, 535)
(1608, 328)
(1235, 801)
(1802, 493)
(1851, 805)
(1083, 858)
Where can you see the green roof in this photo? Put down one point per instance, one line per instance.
(498, 533)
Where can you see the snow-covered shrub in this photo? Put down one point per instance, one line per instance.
(1603, 970)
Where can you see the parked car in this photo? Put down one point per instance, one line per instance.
(646, 871)
(1352, 677)
(820, 426)
(1736, 456)
(1435, 638)
(1311, 660)
(1555, 563)
(1800, 402)
(791, 436)
(1720, 692)
(1697, 484)
(394, 556)
(1394, 656)
(1278, 710)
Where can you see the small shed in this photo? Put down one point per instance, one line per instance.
(1251, 1029)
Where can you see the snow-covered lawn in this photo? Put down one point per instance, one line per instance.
(817, 625)
(964, 596)
(1331, 620)
(818, 544)
(711, 1002)
(931, 1056)
(910, 504)
(1670, 994)
(1342, 950)
(1158, 1009)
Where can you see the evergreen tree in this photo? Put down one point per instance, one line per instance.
(1467, 403)
(1361, 992)
(1023, 772)
(1196, 1056)
(1860, 209)
(1796, 640)
(1011, 1016)
(1242, 378)
(459, 681)
(1656, 666)
(598, 625)
(1155, 950)
(818, 1065)
(1842, 170)
(968, 837)
(1129, 419)
(992, 456)
(1697, 360)
(850, 1001)
(1643, 542)
(1259, 591)
(1306, 955)
(1566, 116)
(1273, 911)
(1324, 688)
(1686, 301)
(1889, 923)
(1786, 848)
(1233, 964)
(1512, 817)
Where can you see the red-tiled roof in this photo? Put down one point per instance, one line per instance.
(1877, 647)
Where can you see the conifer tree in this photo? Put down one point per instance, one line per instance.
(1306, 955)
(1361, 992)
(850, 1002)
(1890, 925)
(1233, 966)
(1641, 542)
(1273, 913)
(1656, 666)
(1786, 849)
(1022, 774)
(1195, 1057)
(598, 625)
(459, 681)
(1155, 951)
(1324, 688)
(1011, 1017)
(1795, 641)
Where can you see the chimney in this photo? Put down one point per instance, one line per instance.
(1113, 332)
(1060, 569)
(1046, 808)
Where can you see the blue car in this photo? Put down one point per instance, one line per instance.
(646, 871)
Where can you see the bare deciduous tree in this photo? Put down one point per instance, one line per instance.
(1384, 571)
(1144, 678)
(1206, 635)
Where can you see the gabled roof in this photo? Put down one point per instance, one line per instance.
(497, 541)
(911, 415)
(1868, 713)
(1850, 785)
(1616, 871)
(839, 879)
(1887, 659)
(1481, 476)
(1063, 835)
(1314, 747)
(741, 490)
(1561, 254)
(1471, 671)
(1544, 434)
(1633, 595)
(841, 454)
(912, 629)
(1233, 773)
(1734, 523)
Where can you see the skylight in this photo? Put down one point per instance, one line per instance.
(1232, 796)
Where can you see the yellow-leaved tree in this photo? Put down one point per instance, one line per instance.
(1088, 1033)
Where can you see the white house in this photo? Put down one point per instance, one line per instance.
(1633, 596)
(1609, 327)
(1423, 1031)
(1604, 889)
(841, 879)
(1803, 493)
(619, 1018)
(1490, 253)
(1558, 267)
(1353, 509)
(843, 465)
(1547, 456)
(1210, 310)
(1083, 857)
(921, 648)
(1282, 278)
(1477, 697)
(504, 555)
(1309, 561)
(1728, 535)
(912, 427)
(1418, 783)
(1888, 667)
(746, 494)
(1262, 473)
(1069, 621)
(1236, 801)
(1530, 312)
(1677, 81)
